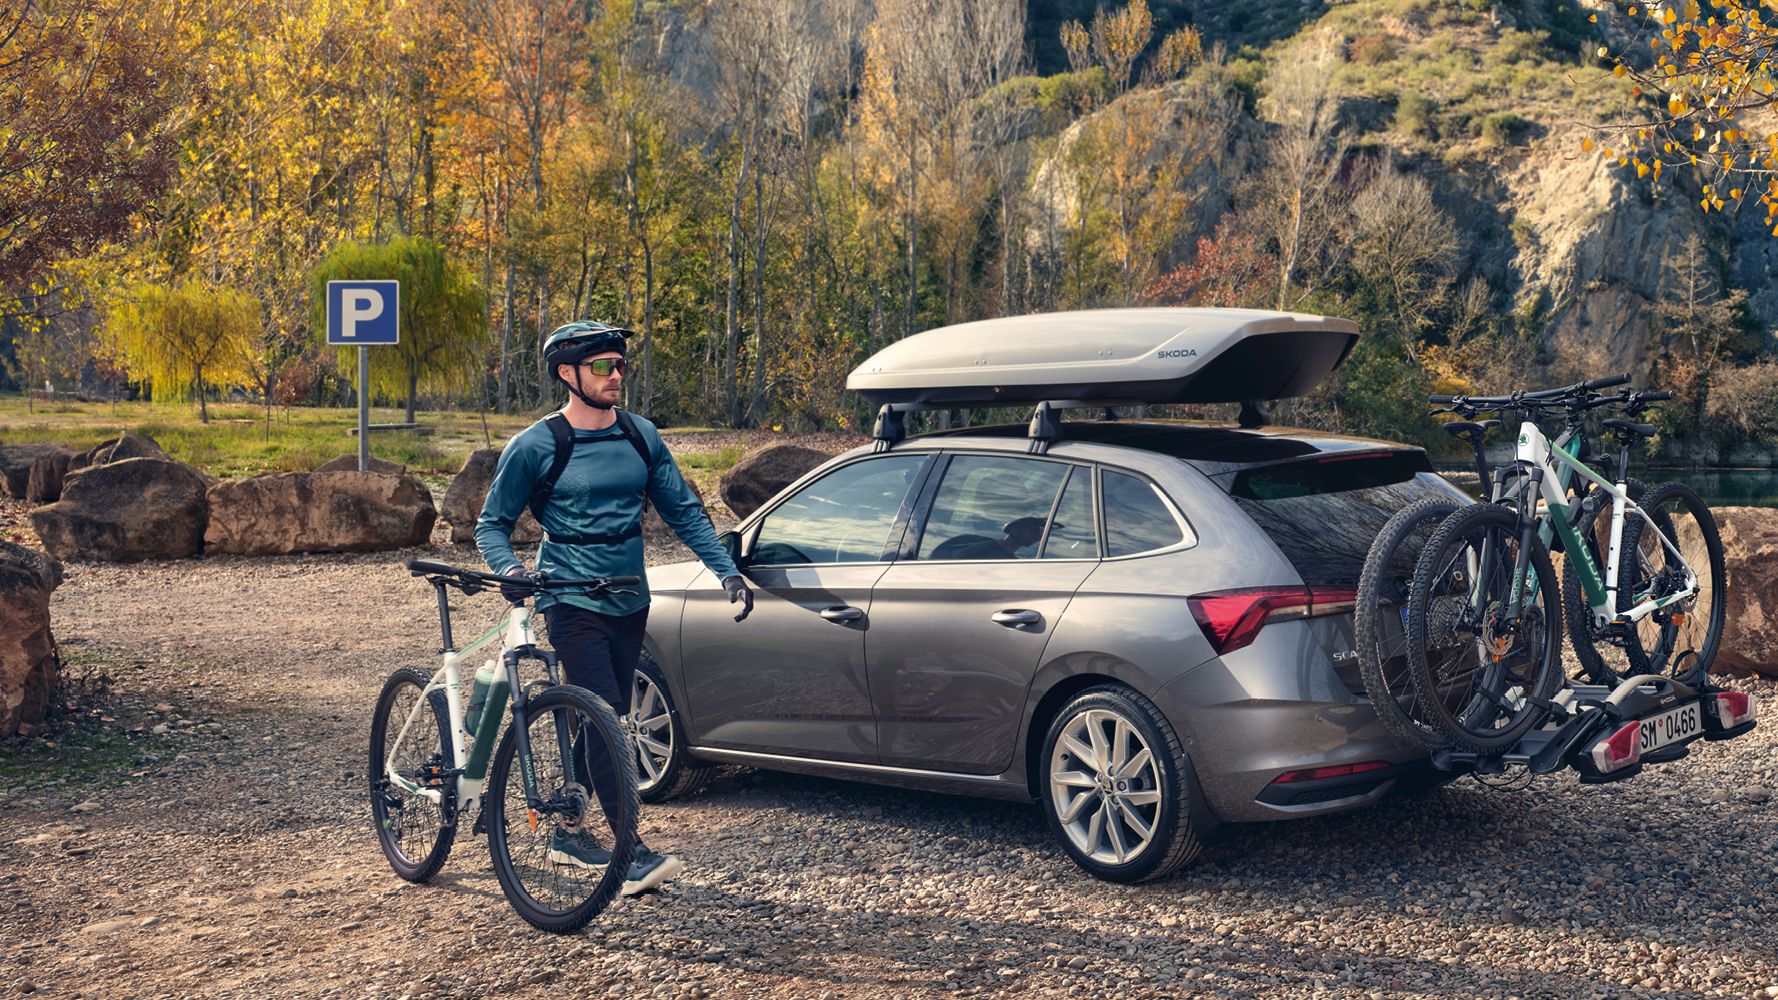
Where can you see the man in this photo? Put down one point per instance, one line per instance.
(592, 521)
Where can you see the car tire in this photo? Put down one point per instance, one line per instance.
(1097, 808)
(664, 770)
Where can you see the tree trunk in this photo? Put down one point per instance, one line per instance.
(506, 341)
(644, 405)
(756, 406)
(203, 406)
(413, 383)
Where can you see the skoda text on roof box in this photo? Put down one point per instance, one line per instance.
(1109, 356)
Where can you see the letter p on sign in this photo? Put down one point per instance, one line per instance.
(363, 312)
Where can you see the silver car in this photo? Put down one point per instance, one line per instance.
(1146, 627)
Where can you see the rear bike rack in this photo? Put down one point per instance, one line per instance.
(1582, 715)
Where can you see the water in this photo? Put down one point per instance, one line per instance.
(1718, 487)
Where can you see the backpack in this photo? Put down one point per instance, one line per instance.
(563, 433)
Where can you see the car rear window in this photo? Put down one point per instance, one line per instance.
(1324, 512)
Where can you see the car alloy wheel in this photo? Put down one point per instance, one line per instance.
(651, 724)
(1105, 787)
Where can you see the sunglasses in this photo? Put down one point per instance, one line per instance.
(606, 367)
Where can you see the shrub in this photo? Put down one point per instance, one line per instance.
(1743, 402)
(1503, 128)
(1369, 50)
(1413, 115)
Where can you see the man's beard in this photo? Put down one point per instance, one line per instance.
(592, 401)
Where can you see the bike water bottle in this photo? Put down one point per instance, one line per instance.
(478, 696)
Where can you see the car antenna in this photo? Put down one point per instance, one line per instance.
(1253, 414)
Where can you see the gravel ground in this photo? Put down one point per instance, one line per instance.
(211, 838)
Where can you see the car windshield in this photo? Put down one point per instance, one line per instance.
(1324, 512)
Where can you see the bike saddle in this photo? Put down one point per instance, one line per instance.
(1464, 428)
(1626, 427)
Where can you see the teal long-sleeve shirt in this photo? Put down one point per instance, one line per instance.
(600, 492)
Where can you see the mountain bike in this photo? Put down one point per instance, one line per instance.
(433, 760)
(1381, 624)
(1484, 639)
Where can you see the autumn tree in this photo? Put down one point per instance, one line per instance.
(1303, 156)
(87, 92)
(185, 338)
(442, 328)
(1699, 325)
(1709, 79)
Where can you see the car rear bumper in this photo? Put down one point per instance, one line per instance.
(1275, 707)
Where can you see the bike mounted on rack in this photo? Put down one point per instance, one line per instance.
(1491, 704)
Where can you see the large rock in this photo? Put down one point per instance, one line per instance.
(139, 508)
(469, 490)
(16, 461)
(761, 475)
(1750, 629)
(349, 463)
(44, 485)
(319, 512)
(28, 661)
(117, 449)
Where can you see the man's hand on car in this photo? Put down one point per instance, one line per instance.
(516, 595)
(739, 591)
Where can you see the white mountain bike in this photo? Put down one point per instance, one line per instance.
(433, 739)
(1484, 615)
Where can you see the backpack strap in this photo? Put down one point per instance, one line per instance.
(626, 425)
(559, 429)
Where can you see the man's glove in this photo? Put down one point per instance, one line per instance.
(516, 595)
(739, 591)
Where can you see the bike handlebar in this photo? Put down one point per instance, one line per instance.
(1607, 382)
(420, 567)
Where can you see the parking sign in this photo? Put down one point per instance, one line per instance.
(363, 312)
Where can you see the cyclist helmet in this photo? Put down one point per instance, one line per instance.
(567, 345)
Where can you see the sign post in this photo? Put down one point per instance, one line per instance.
(363, 314)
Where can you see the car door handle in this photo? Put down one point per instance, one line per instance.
(1016, 619)
(842, 615)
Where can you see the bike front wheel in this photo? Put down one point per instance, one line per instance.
(562, 847)
(1380, 630)
(412, 798)
(1484, 654)
(1679, 639)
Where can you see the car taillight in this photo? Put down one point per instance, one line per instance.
(1619, 750)
(1332, 771)
(1734, 708)
(1232, 618)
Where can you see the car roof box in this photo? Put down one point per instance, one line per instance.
(1106, 357)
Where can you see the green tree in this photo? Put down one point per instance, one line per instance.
(186, 337)
(442, 323)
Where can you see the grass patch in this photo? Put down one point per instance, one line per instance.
(238, 441)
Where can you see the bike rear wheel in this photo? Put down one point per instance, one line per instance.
(1601, 656)
(573, 737)
(410, 734)
(1379, 628)
(1481, 655)
(1662, 641)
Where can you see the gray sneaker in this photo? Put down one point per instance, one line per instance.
(650, 871)
(577, 848)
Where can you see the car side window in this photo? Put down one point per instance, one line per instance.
(1136, 518)
(991, 507)
(844, 516)
(1071, 534)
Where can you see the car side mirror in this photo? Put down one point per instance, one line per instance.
(735, 546)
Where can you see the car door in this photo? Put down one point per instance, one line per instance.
(996, 550)
(791, 678)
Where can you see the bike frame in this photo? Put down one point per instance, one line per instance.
(474, 751)
(1548, 466)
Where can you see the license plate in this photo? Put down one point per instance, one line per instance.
(1671, 726)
